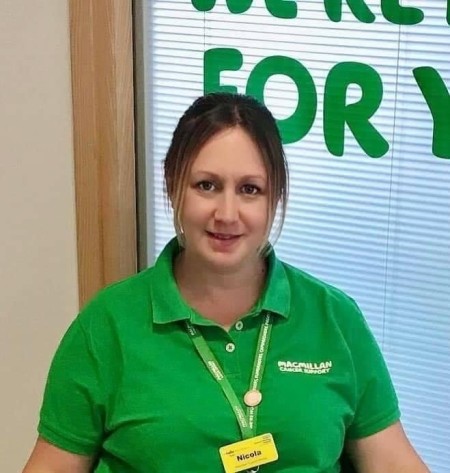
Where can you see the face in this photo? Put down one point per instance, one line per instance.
(224, 214)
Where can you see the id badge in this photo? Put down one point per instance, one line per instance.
(248, 454)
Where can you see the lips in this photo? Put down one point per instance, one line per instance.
(223, 243)
(223, 236)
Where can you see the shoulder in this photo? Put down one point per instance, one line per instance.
(308, 289)
(117, 302)
(136, 285)
(318, 305)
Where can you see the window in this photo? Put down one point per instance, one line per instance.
(372, 218)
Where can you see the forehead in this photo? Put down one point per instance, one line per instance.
(230, 151)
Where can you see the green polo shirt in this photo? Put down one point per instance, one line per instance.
(127, 385)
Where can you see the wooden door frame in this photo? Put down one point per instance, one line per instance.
(104, 144)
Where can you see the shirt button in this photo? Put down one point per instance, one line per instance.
(239, 325)
(230, 347)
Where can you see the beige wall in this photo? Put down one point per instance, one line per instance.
(38, 276)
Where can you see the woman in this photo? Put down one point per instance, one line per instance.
(220, 341)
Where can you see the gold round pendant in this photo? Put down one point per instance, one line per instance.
(252, 398)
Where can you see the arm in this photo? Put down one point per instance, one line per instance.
(71, 418)
(387, 451)
(46, 458)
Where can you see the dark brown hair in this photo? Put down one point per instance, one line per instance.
(206, 117)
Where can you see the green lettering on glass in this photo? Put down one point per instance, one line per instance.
(203, 5)
(282, 8)
(214, 62)
(356, 115)
(235, 6)
(438, 99)
(395, 13)
(295, 127)
(358, 8)
(239, 6)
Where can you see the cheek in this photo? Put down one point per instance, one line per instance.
(257, 215)
(195, 210)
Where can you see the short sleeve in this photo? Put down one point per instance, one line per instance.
(376, 400)
(72, 413)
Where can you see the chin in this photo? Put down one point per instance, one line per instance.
(229, 261)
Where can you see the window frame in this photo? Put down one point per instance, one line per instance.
(101, 40)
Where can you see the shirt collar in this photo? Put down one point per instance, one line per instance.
(276, 297)
(169, 306)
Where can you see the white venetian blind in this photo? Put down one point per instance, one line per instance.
(377, 228)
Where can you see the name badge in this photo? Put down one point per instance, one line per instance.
(250, 453)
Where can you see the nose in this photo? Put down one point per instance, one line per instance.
(227, 209)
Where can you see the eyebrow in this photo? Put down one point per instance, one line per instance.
(241, 178)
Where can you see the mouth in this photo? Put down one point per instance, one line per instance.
(223, 236)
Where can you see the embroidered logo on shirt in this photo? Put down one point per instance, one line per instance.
(322, 367)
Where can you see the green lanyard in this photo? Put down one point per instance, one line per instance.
(246, 420)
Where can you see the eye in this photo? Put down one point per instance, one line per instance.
(206, 186)
(250, 189)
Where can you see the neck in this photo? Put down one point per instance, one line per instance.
(193, 274)
(219, 296)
